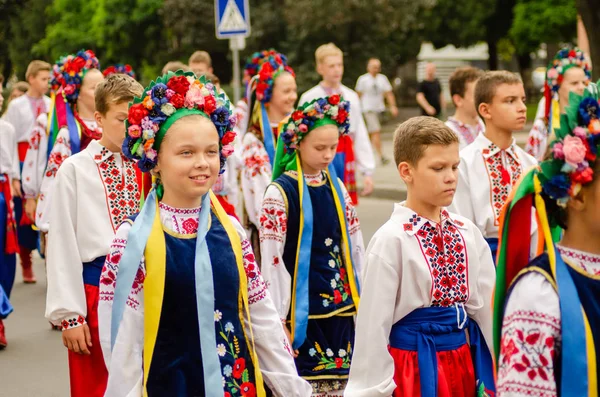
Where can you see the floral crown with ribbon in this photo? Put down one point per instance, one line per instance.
(69, 70)
(270, 69)
(563, 61)
(574, 152)
(254, 62)
(332, 110)
(166, 100)
(119, 68)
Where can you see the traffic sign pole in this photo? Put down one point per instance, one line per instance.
(236, 68)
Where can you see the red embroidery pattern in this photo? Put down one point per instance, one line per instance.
(256, 159)
(72, 322)
(500, 188)
(257, 289)
(445, 253)
(122, 192)
(56, 158)
(190, 226)
(273, 220)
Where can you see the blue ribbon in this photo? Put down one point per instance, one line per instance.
(130, 262)
(73, 130)
(205, 304)
(574, 378)
(303, 267)
(5, 306)
(268, 138)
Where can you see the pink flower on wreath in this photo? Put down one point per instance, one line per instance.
(134, 131)
(69, 89)
(552, 73)
(574, 150)
(227, 150)
(194, 98)
(303, 128)
(557, 149)
(580, 132)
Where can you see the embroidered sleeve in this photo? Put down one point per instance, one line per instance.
(273, 229)
(256, 176)
(35, 162)
(530, 337)
(60, 152)
(124, 360)
(537, 139)
(257, 289)
(356, 237)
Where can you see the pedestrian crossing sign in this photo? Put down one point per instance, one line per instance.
(232, 18)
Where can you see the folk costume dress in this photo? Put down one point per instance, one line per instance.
(183, 308)
(354, 149)
(22, 113)
(424, 284)
(466, 133)
(486, 176)
(546, 325)
(94, 191)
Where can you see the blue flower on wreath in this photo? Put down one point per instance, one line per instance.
(589, 109)
(159, 94)
(557, 187)
(220, 119)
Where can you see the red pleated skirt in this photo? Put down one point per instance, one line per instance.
(456, 375)
(88, 373)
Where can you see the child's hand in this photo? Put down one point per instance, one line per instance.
(289, 336)
(78, 339)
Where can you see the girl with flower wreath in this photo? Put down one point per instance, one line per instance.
(184, 310)
(568, 72)
(312, 246)
(71, 127)
(547, 327)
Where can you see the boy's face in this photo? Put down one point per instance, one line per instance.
(331, 68)
(433, 180)
(507, 111)
(200, 68)
(113, 125)
(40, 82)
(318, 148)
(466, 103)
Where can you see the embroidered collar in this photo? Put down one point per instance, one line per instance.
(316, 179)
(100, 153)
(489, 149)
(589, 263)
(179, 220)
(412, 222)
(331, 91)
(479, 127)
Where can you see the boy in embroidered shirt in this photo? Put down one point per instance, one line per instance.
(323, 331)
(428, 275)
(466, 122)
(22, 113)
(95, 190)
(493, 163)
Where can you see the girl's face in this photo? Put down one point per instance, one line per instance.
(318, 149)
(284, 93)
(86, 98)
(188, 161)
(574, 80)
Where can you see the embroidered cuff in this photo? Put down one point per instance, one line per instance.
(73, 322)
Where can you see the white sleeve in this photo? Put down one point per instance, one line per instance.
(531, 337)
(272, 347)
(372, 370)
(125, 362)
(256, 176)
(462, 203)
(16, 166)
(362, 144)
(359, 85)
(356, 236)
(35, 162)
(66, 296)
(479, 305)
(12, 116)
(60, 152)
(273, 226)
(387, 87)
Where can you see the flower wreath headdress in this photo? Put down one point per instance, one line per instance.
(119, 68)
(166, 100)
(68, 73)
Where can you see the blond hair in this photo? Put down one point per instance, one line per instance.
(200, 57)
(326, 50)
(412, 137)
(174, 66)
(35, 67)
(485, 90)
(116, 89)
(22, 86)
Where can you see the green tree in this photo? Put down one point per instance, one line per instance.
(590, 15)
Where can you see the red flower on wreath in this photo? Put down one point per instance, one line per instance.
(297, 115)
(210, 104)
(136, 113)
(177, 100)
(238, 368)
(179, 84)
(334, 99)
(342, 116)
(228, 138)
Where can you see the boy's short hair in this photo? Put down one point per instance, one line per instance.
(200, 57)
(412, 137)
(460, 77)
(22, 86)
(174, 66)
(489, 81)
(35, 67)
(116, 89)
(326, 50)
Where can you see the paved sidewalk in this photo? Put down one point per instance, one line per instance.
(388, 184)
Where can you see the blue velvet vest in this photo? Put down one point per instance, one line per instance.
(176, 368)
(588, 289)
(327, 351)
